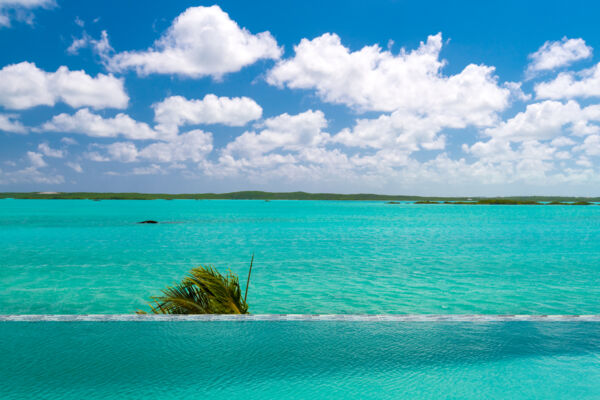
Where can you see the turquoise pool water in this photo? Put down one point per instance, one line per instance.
(80, 256)
(299, 360)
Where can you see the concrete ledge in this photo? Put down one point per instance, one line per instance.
(302, 317)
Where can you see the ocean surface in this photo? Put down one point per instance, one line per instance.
(83, 256)
(299, 360)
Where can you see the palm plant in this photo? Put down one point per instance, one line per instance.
(203, 291)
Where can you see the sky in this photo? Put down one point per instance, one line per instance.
(397, 97)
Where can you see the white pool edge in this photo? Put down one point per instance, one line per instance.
(299, 317)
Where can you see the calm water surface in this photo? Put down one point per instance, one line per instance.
(80, 256)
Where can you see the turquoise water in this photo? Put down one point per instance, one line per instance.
(80, 256)
(299, 360)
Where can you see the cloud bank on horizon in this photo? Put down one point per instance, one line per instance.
(410, 123)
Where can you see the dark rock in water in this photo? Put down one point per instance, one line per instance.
(148, 222)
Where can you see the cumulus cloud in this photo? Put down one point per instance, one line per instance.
(87, 123)
(152, 169)
(558, 54)
(31, 173)
(590, 146)
(562, 141)
(100, 46)
(528, 149)
(176, 111)
(545, 120)
(20, 10)
(9, 123)
(192, 146)
(75, 167)
(202, 41)
(371, 79)
(571, 84)
(50, 152)
(24, 86)
(68, 141)
(414, 112)
(285, 145)
(286, 132)
(36, 159)
(399, 130)
(122, 151)
(537, 146)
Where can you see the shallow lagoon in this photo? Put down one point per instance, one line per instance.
(82, 256)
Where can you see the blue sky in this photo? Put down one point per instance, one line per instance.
(443, 98)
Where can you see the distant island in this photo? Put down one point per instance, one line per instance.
(258, 195)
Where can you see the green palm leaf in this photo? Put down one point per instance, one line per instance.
(203, 291)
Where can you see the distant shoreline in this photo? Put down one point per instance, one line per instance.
(257, 195)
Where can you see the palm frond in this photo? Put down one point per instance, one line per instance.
(203, 291)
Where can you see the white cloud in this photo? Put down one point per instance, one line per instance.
(202, 41)
(24, 86)
(516, 154)
(78, 44)
(69, 141)
(90, 124)
(558, 54)
(20, 10)
(100, 46)
(570, 84)
(400, 131)
(516, 91)
(122, 151)
(590, 146)
(190, 146)
(286, 132)
(291, 146)
(584, 162)
(372, 79)
(9, 123)
(176, 111)
(501, 151)
(95, 156)
(31, 173)
(545, 120)
(562, 141)
(193, 146)
(36, 159)
(50, 152)
(153, 169)
(75, 167)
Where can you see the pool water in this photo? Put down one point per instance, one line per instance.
(81, 256)
(299, 360)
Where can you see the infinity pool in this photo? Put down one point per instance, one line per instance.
(299, 360)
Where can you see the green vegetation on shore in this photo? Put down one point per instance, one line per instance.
(499, 201)
(257, 195)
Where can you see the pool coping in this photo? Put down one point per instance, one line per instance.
(299, 317)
